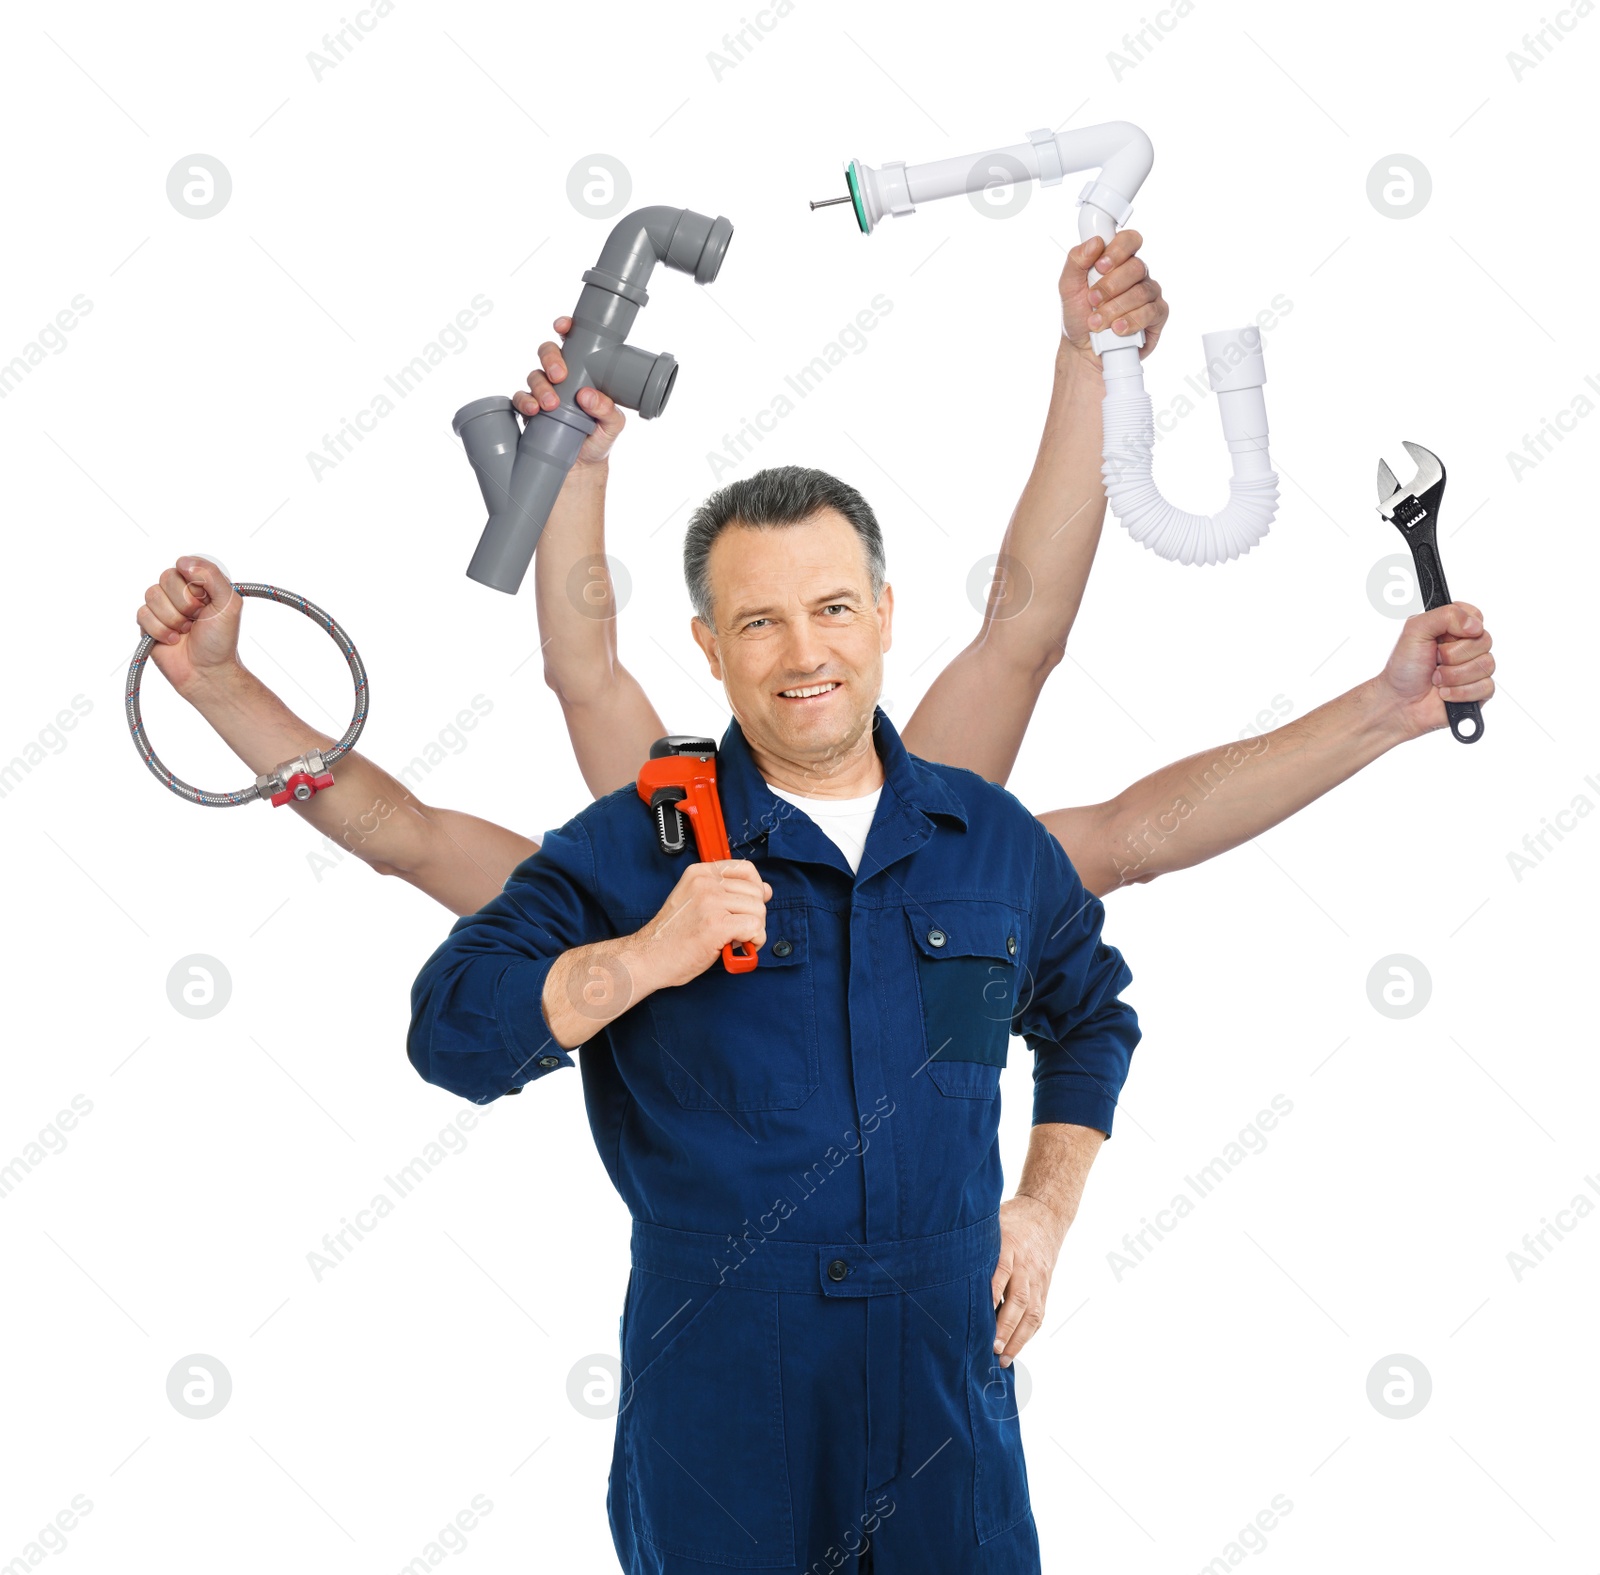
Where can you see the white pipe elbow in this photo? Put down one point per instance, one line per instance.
(1120, 151)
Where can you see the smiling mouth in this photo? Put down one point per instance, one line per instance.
(809, 691)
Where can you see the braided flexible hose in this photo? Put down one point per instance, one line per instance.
(224, 800)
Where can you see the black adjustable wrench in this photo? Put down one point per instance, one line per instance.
(1414, 510)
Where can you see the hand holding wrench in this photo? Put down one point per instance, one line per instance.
(1414, 511)
(680, 779)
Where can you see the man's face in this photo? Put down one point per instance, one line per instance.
(798, 642)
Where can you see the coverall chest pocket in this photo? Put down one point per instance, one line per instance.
(744, 1041)
(967, 975)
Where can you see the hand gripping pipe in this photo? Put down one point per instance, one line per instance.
(1123, 155)
(521, 470)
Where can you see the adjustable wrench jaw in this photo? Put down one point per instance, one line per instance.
(1413, 510)
(1416, 503)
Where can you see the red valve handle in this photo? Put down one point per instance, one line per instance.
(316, 784)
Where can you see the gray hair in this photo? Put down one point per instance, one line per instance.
(781, 495)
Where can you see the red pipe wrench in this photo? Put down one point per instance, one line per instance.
(680, 780)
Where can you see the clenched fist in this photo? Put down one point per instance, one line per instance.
(192, 614)
(1440, 655)
(711, 905)
(1109, 286)
(542, 396)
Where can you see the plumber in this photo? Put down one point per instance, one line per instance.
(811, 1349)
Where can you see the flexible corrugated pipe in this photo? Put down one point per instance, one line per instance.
(1234, 367)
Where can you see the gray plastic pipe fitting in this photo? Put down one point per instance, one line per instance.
(521, 470)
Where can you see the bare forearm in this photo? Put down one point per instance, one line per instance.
(259, 728)
(573, 594)
(1209, 802)
(461, 860)
(712, 906)
(1056, 527)
(457, 859)
(608, 715)
(591, 986)
(976, 711)
(1057, 1166)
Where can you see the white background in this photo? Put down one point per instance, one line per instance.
(368, 207)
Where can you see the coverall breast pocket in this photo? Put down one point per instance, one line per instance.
(744, 1041)
(967, 972)
(708, 1468)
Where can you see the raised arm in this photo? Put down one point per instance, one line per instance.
(457, 859)
(1209, 802)
(610, 719)
(978, 708)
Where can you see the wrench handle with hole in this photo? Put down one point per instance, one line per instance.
(1465, 716)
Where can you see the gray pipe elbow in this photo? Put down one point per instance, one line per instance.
(678, 237)
(521, 475)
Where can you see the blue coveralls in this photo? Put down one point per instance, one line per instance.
(810, 1155)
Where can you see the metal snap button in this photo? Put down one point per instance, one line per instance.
(782, 947)
(936, 937)
(1011, 946)
(837, 1270)
(548, 1061)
